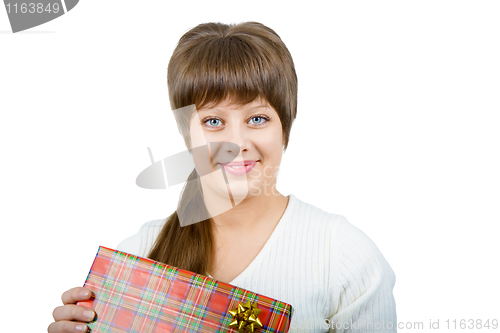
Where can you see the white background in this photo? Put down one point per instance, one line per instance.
(397, 130)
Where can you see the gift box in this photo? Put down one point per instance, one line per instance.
(139, 295)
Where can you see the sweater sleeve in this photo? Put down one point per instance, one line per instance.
(362, 285)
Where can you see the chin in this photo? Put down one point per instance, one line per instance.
(239, 193)
(239, 189)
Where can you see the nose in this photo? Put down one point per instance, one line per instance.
(239, 136)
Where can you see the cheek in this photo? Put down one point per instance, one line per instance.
(271, 146)
(196, 135)
(197, 141)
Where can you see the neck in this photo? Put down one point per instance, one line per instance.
(252, 217)
(251, 212)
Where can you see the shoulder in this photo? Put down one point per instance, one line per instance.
(356, 252)
(345, 239)
(305, 211)
(353, 258)
(141, 242)
(313, 219)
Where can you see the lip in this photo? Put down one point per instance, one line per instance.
(242, 167)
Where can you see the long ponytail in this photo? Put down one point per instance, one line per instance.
(188, 247)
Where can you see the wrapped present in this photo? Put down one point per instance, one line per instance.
(134, 294)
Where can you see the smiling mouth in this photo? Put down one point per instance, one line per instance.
(239, 168)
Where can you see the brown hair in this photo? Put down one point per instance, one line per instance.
(211, 63)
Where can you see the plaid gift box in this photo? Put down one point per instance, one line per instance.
(139, 295)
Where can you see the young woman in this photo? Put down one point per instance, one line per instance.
(231, 223)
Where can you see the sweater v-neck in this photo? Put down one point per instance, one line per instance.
(280, 227)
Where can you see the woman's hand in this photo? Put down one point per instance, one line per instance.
(71, 317)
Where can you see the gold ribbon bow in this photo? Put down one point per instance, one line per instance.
(244, 317)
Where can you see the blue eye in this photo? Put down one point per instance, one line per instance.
(258, 120)
(213, 122)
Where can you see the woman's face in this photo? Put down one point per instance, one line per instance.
(246, 144)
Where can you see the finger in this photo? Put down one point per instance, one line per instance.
(67, 327)
(76, 294)
(73, 312)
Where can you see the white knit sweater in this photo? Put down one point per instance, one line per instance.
(331, 273)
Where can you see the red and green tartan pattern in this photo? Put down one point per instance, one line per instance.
(139, 295)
